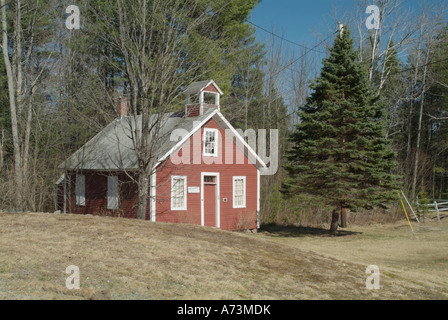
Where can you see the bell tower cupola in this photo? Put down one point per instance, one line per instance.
(201, 96)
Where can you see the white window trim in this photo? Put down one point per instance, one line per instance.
(112, 199)
(244, 189)
(216, 132)
(80, 190)
(218, 197)
(184, 207)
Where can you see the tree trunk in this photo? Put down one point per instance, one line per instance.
(420, 118)
(343, 215)
(12, 103)
(334, 223)
(143, 196)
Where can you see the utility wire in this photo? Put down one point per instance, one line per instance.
(402, 71)
(290, 64)
(418, 67)
(282, 38)
(314, 49)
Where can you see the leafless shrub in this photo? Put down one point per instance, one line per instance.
(245, 220)
(185, 217)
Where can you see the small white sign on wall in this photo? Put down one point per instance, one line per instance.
(193, 190)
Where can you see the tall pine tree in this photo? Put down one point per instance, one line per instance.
(339, 151)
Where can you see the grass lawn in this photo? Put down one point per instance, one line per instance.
(131, 259)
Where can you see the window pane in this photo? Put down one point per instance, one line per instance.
(80, 190)
(210, 142)
(178, 196)
(239, 192)
(112, 192)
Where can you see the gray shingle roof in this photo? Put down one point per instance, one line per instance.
(113, 148)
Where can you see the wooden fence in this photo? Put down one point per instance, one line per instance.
(438, 206)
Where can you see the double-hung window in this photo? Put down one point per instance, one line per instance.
(112, 192)
(178, 193)
(210, 142)
(239, 192)
(80, 190)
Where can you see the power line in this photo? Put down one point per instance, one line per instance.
(402, 71)
(282, 38)
(290, 64)
(418, 67)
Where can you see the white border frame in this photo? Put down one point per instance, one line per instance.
(216, 131)
(217, 198)
(185, 193)
(233, 191)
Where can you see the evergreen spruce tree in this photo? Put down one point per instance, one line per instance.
(339, 151)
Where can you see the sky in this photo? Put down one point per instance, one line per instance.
(303, 21)
(309, 22)
(298, 20)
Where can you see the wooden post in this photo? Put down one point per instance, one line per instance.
(437, 210)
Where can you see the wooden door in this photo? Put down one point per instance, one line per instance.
(210, 201)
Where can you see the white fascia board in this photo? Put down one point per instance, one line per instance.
(215, 85)
(181, 142)
(227, 123)
(200, 125)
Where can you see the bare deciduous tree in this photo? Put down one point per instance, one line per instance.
(152, 37)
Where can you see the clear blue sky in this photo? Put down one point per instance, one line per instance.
(305, 21)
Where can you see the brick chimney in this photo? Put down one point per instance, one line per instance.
(122, 107)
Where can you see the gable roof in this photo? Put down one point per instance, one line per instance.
(113, 148)
(222, 121)
(198, 86)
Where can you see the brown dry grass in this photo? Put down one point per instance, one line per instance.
(129, 259)
(419, 257)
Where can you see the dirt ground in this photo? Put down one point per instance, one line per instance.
(129, 259)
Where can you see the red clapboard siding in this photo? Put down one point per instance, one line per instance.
(193, 110)
(211, 88)
(229, 217)
(96, 195)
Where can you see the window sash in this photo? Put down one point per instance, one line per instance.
(80, 190)
(239, 192)
(210, 142)
(178, 193)
(112, 192)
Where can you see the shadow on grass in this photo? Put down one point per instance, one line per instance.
(300, 231)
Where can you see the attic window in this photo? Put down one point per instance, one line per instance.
(210, 142)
